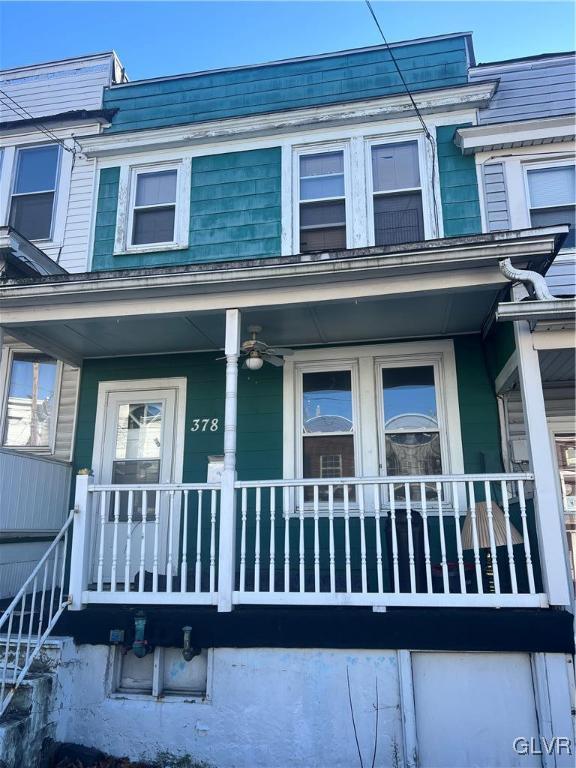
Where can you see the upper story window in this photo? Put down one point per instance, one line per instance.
(31, 401)
(34, 191)
(322, 201)
(154, 210)
(397, 193)
(552, 198)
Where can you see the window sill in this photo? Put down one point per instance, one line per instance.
(163, 698)
(152, 248)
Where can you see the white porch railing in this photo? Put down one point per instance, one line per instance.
(32, 614)
(401, 541)
(462, 540)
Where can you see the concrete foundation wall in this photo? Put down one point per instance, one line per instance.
(277, 708)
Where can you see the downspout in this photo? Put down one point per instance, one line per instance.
(534, 281)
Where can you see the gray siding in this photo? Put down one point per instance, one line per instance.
(561, 277)
(495, 197)
(529, 89)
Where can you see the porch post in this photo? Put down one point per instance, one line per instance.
(548, 504)
(80, 556)
(226, 554)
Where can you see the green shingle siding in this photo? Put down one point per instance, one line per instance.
(234, 212)
(458, 186)
(261, 89)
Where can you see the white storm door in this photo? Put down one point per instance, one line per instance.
(137, 445)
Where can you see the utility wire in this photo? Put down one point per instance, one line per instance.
(427, 133)
(22, 112)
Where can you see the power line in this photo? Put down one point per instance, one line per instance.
(427, 133)
(23, 113)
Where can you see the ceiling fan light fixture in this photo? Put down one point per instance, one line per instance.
(254, 362)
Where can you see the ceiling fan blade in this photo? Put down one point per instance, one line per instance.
(273, 360)
(280, 351)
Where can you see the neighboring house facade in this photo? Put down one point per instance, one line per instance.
(300, 530)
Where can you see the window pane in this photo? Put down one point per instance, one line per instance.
(321, 214)
(156, 188)
(327, 405)
(330, 239)
(329, 457)
(553, 216)
(155, 225)
(31, 215)
(321, 164)
(30, 405)
(416, 453)
(36, 171)
(409, 398)
(552, 186)
(139, 431)
(322, 176)
(398, 219)
(137, 472)
(323, 186)
(395, 166)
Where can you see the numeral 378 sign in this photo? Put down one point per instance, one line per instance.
(205, 425)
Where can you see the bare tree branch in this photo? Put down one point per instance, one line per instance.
(353, 720)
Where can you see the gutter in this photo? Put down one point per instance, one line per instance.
(546, 309)
(102, 116)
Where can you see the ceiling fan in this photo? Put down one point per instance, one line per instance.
(257, 352)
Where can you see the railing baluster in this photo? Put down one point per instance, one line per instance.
(198, 572)
(395, 568)
(128, 542)
(31, 620)
(213, 503)
(316, 543)
(347, 539)
(286, 508)
(19, 638)
(509, 547)
(379, 572)
(244, 504)
(144, 515)
(42, 601)
(477, 563)
(411, 561)
(169, 563)
(53, 587)
(445, 582)
(363, 571)
(115, 541)
(184, 559)
(493, 551)
(257, 541)
(6, 654)
(331, 538)
(100, 577)
(156, 541)
(461, 571)
(529, 568)
(271, 573)
(302, 562)
(428, 567)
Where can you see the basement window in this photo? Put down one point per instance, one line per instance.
(162, 674)
(34, 191)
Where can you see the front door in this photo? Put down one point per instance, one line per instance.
(138, 443)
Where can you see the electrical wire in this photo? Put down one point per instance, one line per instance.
(427, 133)
(23, 113)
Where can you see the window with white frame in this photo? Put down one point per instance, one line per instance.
(552, 198)
(322, 201)
(30, 409)
(397, 193)
(34, 191)
(153, 215)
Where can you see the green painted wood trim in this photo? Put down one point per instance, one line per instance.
(339, 78)
(458, 186)
(235, 213)
(500, 344)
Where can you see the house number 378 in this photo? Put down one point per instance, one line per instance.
(204, 425)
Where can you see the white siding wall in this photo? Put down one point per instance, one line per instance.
(49, 89)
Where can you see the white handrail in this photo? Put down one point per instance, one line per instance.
(30, 639)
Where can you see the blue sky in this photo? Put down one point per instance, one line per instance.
(163, 38)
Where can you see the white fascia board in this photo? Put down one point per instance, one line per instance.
(471, 96)
(549, 309)
(484, 138)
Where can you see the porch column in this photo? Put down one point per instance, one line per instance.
(548, 504)
(80, 555)
(226, 554)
